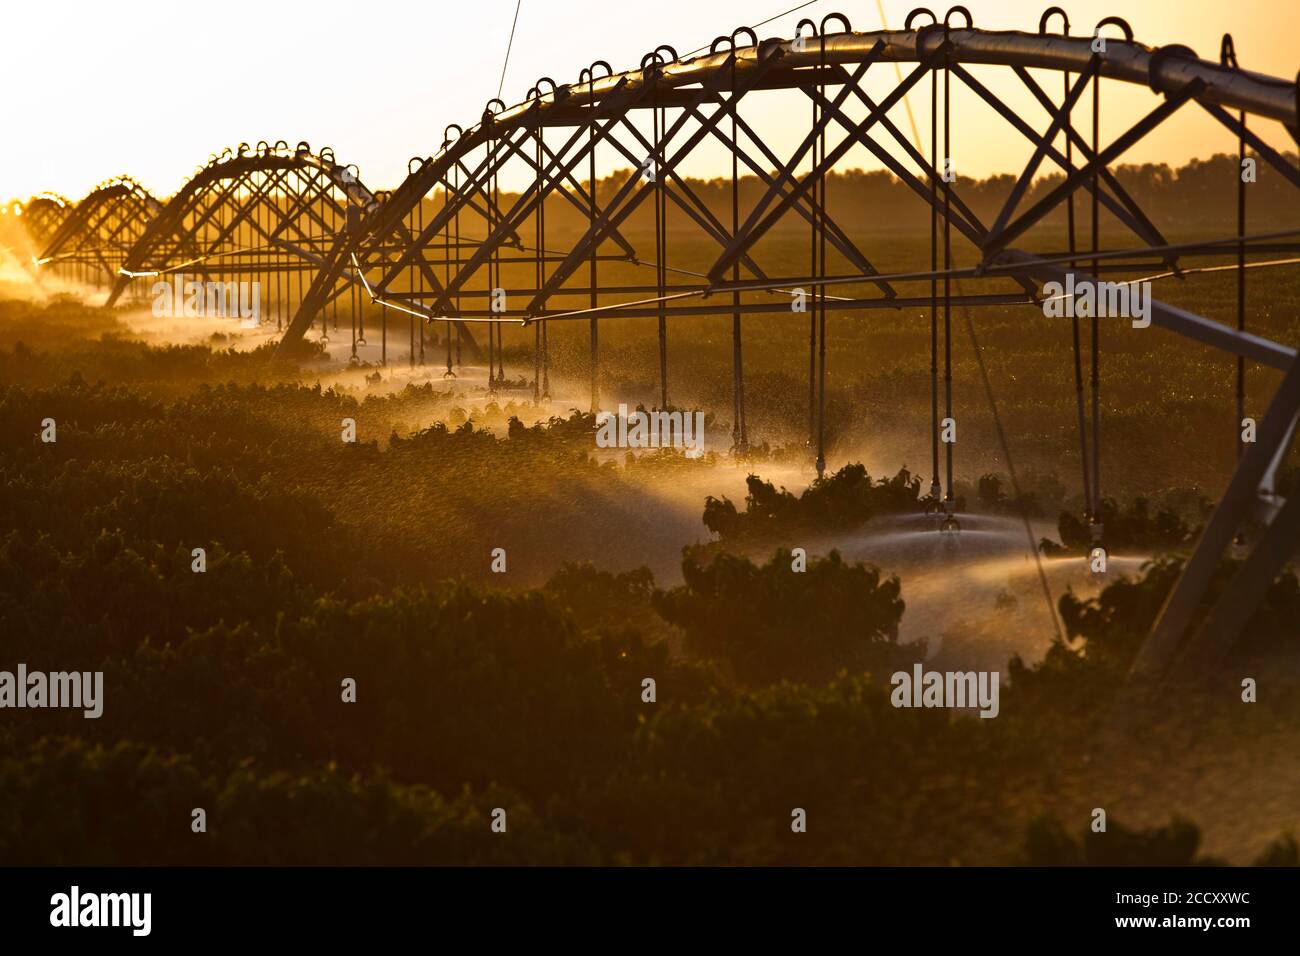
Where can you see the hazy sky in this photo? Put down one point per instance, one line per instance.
(151, 87)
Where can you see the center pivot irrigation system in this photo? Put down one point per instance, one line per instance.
(444, 247)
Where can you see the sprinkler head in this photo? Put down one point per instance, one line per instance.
(1096, 529)
(1240, 546)
(933, 505)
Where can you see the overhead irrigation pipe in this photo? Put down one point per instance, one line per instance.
(1008, 264)
(1177, 320)
(426, 314)
(1126, 60)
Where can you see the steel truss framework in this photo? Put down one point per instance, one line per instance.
(271, 214)
(91, 241)
(44, 214)
(447, 246)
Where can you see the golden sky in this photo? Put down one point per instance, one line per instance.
(151, 87)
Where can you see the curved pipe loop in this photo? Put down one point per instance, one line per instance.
(652, 64)
(1048, 14)
(947, 18)
(588, 74)
(907, 24)
(1228, 53)
(489, 112)
(1115, 22)
(848, 27)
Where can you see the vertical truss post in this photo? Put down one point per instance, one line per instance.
(949, 501)
(1096, 525)
(936, 488)
(818, 137)
(661, 241)
(1157, 654)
